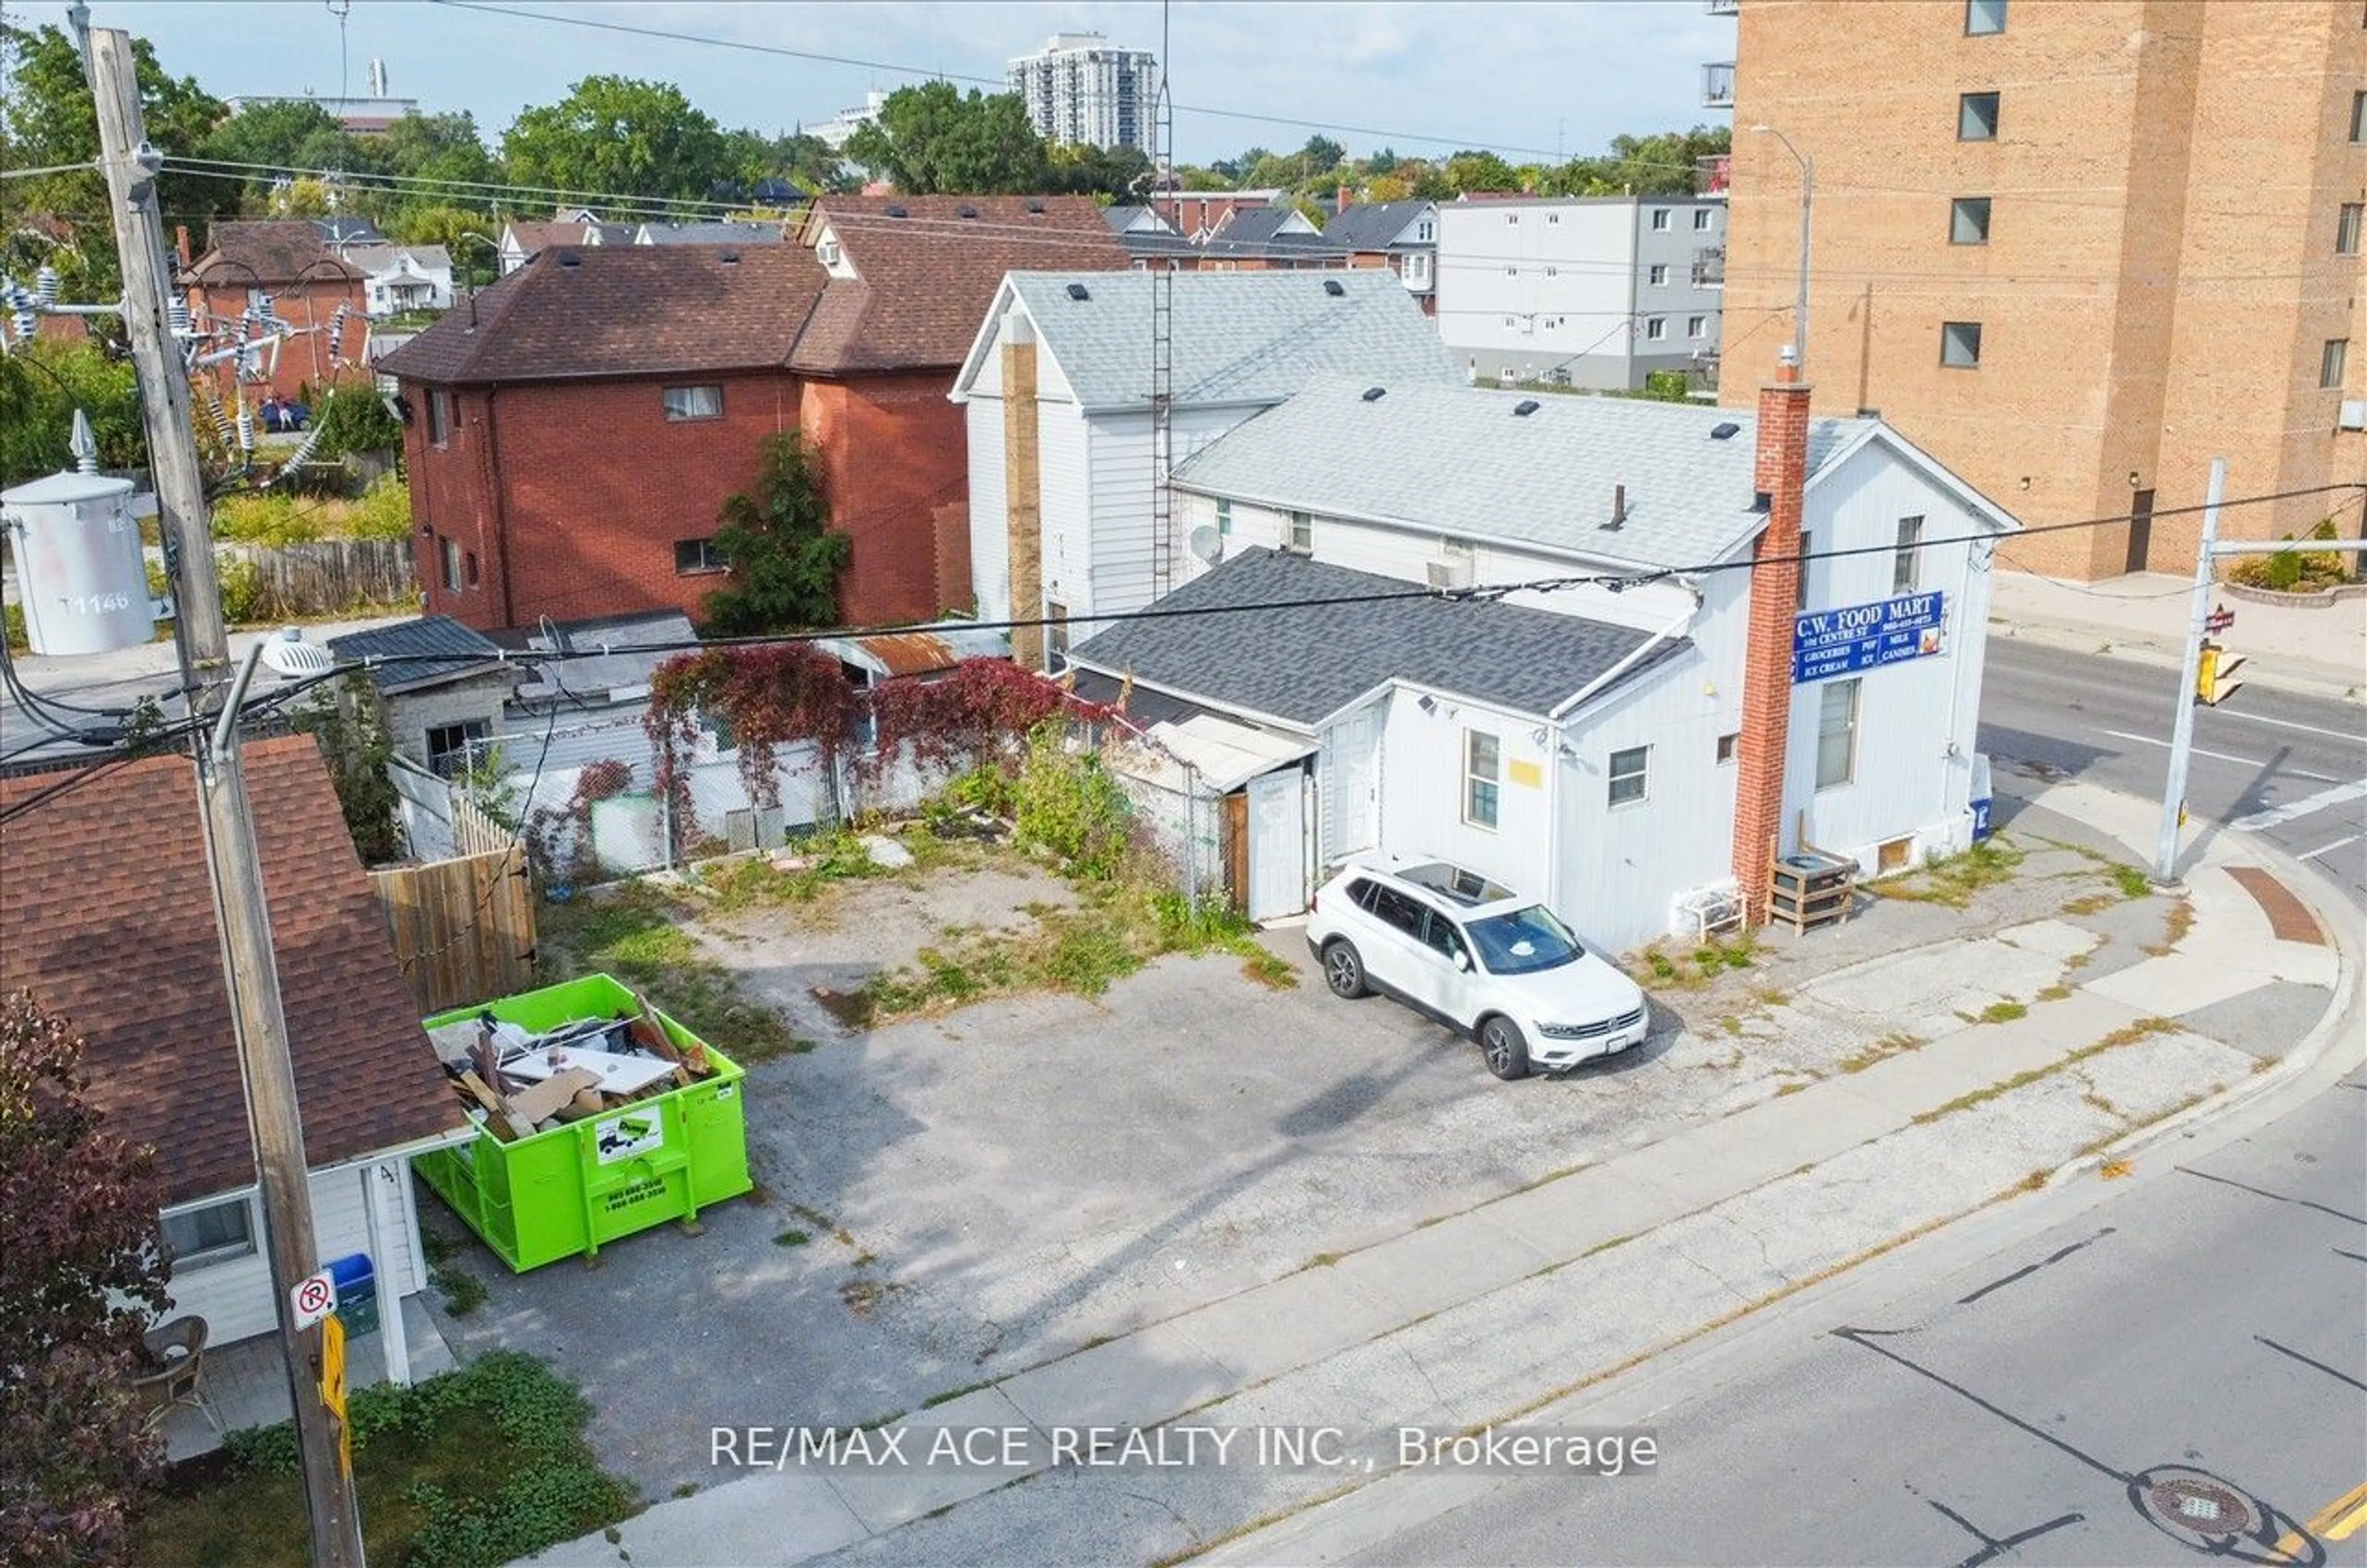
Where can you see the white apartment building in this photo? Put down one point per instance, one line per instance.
(1081, 91)
(1581, 291)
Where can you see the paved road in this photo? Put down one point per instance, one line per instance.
(2293, 768)
(2203, 1325)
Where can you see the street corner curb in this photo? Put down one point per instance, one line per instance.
(2138, 647)
(2342, 934)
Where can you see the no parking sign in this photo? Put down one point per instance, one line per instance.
(315, 1297)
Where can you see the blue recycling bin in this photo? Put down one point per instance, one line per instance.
(356, 1293)
(1980, 820)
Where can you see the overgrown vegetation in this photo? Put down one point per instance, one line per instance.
(346, 720)
(472, 1468)
(1655, 965)
(275, 519)
(784, 555)
(462, 1291)
(1954, 879)
(633, 931)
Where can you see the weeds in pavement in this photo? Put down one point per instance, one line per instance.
(953, 1393)
(2133, 883)
(1890, 1046)
(2180, 921)
(2055, 993)
(633, 932)
(1954, 879)
(2127, 1035)
(1690, 971)
(2089, 904)
(792, 1238)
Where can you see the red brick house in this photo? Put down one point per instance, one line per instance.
(288, 261)
(572, 442)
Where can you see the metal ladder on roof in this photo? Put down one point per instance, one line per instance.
(1162, 350)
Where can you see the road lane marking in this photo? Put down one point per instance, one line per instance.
(2191, 750)
(2329, 849)
(2306, 806)
(2355, 738)
(2339, 1520)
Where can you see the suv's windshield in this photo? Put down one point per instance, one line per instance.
(1524, 942)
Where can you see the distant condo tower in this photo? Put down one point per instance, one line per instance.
(1081, 92)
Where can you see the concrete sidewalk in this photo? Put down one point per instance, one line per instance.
(2316, 648)
(1505, 1307)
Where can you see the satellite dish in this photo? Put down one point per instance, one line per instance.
(1208, 544)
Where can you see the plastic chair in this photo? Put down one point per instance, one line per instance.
(175, 1369)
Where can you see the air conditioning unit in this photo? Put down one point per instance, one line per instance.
(1450, 574)
(2353, 415)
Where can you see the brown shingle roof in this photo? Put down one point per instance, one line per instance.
(926, 279)
(278, 253)
(532, 236)
(622, 311)
(107, 916)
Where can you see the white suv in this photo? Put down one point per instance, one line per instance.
(1533, 996)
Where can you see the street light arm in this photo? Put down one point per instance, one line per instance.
(1808, 202)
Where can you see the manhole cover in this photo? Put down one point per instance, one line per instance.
(2199, 1505)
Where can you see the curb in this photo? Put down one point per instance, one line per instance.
(2297, 1063)
(2138, 647)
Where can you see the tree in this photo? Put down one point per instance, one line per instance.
(1320, 156)
(80, 1274)
(349, 725)
(1112, 173)
(613, 136)
(931, 139)
(1480, 171)
(784, 555)
(40, 390)
(284, 139)
(47, 118)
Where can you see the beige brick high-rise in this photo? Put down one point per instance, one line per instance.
(2167, 255)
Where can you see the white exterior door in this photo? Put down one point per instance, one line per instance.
(1352, 784)
(1277, 845)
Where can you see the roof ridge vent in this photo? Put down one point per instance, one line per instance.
(1525, 407)
(568, 258)
(1079, 291)
(1035, 204)
(965, 210)
(899, 213)
(1374, 394)
(1334, 288)
(1725, 430)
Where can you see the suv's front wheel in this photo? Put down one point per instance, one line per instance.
(1505, 1047)
(1343, 970)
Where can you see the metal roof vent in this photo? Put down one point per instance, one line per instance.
(729, 258)
(1079, 291)
(1334, 288)
(568, 258)
(898, 212)
(965, 210)
(1725, 430)
(1035, 204)
(1374, 394)
(1618, 510)
(1525, 407)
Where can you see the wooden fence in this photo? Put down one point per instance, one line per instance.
(463, 929)
(327, 576)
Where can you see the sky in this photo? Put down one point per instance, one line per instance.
(1525, 80)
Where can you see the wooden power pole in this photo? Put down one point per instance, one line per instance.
(249, 970)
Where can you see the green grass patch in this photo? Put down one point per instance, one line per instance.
(793, 1239)
(635, 935)
(2004, 1011)
(1890, 1046)
(1653, 965)
(2131, 882)
(477, 1467)
(1953, 880)
(2052, 993)
(953, 1393)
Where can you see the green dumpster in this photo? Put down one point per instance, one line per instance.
(565, 1192)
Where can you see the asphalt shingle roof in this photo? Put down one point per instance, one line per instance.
(1457, 460)
(266, 254)
(107, 916)
(1239, 337)
(709, 234)
(926, 279)
(622, 311)
(1301, 662)
(1372, 225)
(465, 650)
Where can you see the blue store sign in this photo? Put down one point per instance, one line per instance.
(1825, 643)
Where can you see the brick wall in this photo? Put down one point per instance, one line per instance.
(1781, 472)
(305, 363)
(895, 455)
(2158, 278)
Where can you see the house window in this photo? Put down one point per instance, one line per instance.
(692, 557)
(1056, 629)
(1968, 221)
(1417, 268)
(1553, 272)
(1480, 786)
(209, 1232)
(1225, 517)
(2359, 117)
(1628, 775)
(1425, 232)
(1960, 345)
(693, 403)
(1902, 563)
(1726, 745)
(1659, 220)
(1655, 327)
(1808, 553)
(439, 417)
(1511, 272)
(1696, 326)
(1976, 117)
(1984, 16)
(2345, 229)
(1658, 275)
(448, 746)
(468, 563)
(2331, 362)
(1701, 220)
(451, 553)
(1836, 734)
(1302, 532)
(1553, 216)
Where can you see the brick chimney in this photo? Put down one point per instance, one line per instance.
(1342, 206)
(1781, 477)
(181, 245)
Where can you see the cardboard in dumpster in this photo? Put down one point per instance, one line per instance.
(538, 1100)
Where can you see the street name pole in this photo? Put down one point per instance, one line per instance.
(250, 971)
(2181, 737)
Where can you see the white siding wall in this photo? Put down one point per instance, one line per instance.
(990, 520)
(1562, 270)
(235, 1297)
(1065, 464)
(1120, 450)
(1421, 789)
(1915, 719)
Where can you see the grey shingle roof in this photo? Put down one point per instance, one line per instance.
(1302, 662)
(1239, 337)
(469, 650)
(720, 233)
(1457, 460)
(1372, 225)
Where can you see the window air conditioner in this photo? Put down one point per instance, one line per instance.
(2353, 415)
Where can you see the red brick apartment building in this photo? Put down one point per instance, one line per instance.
(2074, 252)
(574, 435)
(287, 261)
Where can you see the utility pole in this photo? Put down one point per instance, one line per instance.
(250, 971)
(2181, 734)
(1808, 202)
